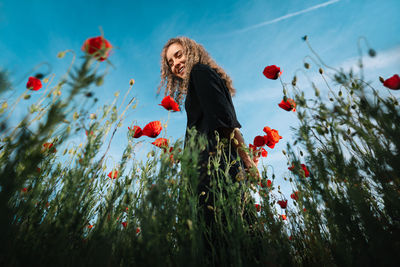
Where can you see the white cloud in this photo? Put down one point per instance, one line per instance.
(286, 16)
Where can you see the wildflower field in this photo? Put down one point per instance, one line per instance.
(61, 205)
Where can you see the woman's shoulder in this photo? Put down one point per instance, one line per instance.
(204, 69)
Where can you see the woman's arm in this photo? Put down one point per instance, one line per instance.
(238, 143)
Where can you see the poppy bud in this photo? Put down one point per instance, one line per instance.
(321, 71)
(26, 97)
(381, 79)
(340, 93)
(100, 81)
(306, 65)
(294, 81)
(305, 38)
(61, 54)
(371, 52)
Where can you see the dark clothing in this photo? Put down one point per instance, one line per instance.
(209, 107)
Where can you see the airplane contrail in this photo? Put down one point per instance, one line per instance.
(288, 16)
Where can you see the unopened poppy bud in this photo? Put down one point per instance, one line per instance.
(131, 81)
(283, 152)
(235, 141)
(284, 98)
(210, 207)
(321, 71)
(331, 99)
(26, 97)
(46, 80)
(301, 153)
(305, 38)
(202, 193)
(381, 79)
(61, 54)
(75, 116)
(93, 116)
(371, 52)
(340, 93)
(294, 81)
(100, 81)
(306, 65)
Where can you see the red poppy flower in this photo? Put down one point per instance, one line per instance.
(161, 143)
(259, 141)
(258, 207)
(138, 230)
(272, 72)
(34, 84)
(24, 189)
(90, 226)
(291, 168)
(152, 129)
(97, 47)
(393, 82)
(282, 203)
(283, 217)
(113, 174)
(272, 137)
(288, 105)
(169, 104)
(48, 146)
(86, 132)
(124, 224)
(306, 172)
(268, 184)
(136, 131)
(295, 195)
(264, 152)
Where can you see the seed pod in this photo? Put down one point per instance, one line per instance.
(306, 65)
(131, 82)
(321, 71)
(61, 54)
(371, 52)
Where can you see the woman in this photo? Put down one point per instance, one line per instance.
(187, 69)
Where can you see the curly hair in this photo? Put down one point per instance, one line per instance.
(195, 53)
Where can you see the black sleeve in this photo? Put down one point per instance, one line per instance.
(215, 99)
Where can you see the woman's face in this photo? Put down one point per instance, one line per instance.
(176, 60)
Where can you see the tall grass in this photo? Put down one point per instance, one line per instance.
(59, 207)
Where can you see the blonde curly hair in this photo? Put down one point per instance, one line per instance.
(195, 53)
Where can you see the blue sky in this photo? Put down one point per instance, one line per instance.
(242, 36)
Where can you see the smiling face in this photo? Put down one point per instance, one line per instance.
(176, 59)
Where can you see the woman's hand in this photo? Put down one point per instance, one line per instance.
(251, 168)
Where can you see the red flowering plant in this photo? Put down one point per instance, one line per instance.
(392, 82)
(305, 171)
(161, 143)
(169, 104)
(49, 147)
(272, 137)
(282, 203)
(97, 47)
(295, 195)
(135, 131)
(272, 72)
(258, 207)
(152, 129)
(113, 174)
(34, 84)
(288, 105)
